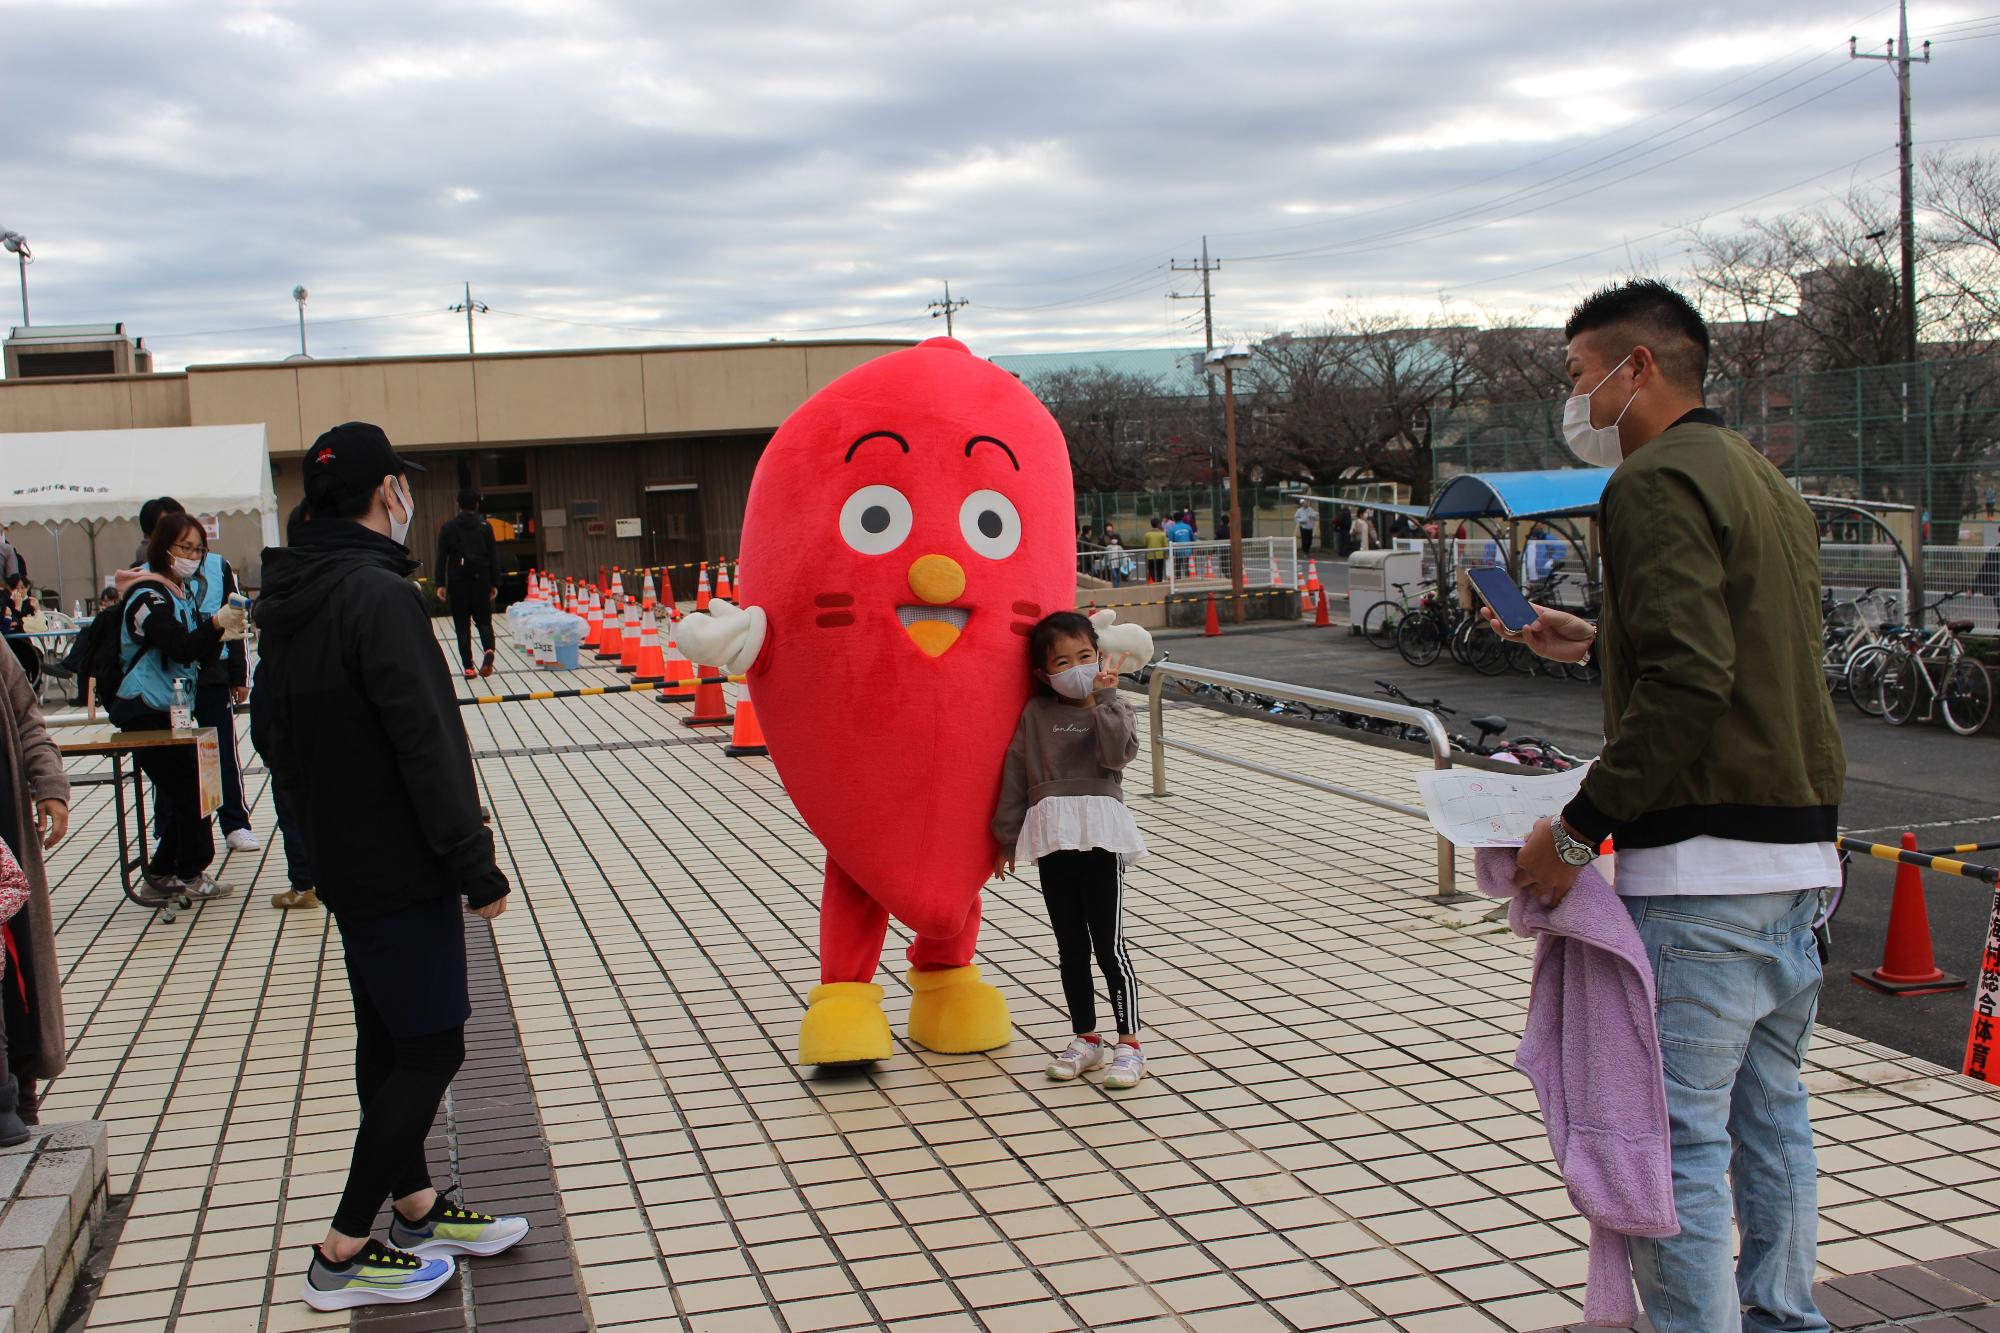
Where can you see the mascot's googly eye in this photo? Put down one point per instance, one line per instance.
(990, 523)
(876, 520)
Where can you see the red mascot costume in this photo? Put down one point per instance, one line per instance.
(907, 525)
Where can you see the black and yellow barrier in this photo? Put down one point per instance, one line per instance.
(591, 691)
(1943, 865)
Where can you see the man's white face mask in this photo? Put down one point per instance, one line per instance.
(1596, 446)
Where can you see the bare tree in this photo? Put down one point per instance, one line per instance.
(1126, 432)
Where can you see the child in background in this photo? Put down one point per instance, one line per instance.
(1061, 806)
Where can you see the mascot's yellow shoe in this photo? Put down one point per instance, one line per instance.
(953, 1012)
(844, 1025)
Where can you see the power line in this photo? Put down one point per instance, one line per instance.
(947, 308)
(1562, 179)
(1599, 137)
(469, 308)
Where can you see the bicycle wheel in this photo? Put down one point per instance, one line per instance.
(1419, 640)
(1902, 689)
(1379, 623)
(1520, 657)
(1461, 643)
(1864, 677)
(1489, 653)
(1585, 672)
(1968, 697)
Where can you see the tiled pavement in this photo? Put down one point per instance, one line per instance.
(1332, 1135)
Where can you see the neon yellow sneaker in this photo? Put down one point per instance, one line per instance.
(376, 1276)
(450, 1229)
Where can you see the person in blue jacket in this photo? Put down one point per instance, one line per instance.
(164, 640)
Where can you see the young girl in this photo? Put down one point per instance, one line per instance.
(1062, 806)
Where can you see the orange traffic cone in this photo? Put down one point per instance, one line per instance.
(680, 674)
(1909, 966)
(723, 587)
(652, 664)
(747, 738)
(1312, 576)
(647, 593)
(701, 592)
(618, 583)
(628, 640)
(1213, 629)
(593, 619)
(710, 708)
(667, 591)
(614, 634)
(1321, 619)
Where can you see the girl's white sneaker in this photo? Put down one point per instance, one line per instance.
(1080, 1057)
(1128, 1066)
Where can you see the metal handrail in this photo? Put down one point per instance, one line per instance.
(1434, 732)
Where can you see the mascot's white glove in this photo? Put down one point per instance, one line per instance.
(1121, 648)
(725, 636)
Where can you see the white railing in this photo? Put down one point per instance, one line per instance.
(1268, 563)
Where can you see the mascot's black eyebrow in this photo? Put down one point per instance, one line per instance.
(998, 444)
(901, 443)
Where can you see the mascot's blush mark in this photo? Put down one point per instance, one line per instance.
(834, 599)
(833, 619)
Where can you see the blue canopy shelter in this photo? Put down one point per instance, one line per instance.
(1570, 492)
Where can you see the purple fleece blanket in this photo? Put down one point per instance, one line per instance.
(1592, 1050)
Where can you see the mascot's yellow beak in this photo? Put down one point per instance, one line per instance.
(934, 626)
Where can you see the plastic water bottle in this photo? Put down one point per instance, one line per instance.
(181, 716)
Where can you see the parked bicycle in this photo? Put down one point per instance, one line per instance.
(1381, 620)
(1936, 670)
(1528, 751)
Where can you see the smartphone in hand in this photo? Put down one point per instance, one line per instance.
(1497, 586)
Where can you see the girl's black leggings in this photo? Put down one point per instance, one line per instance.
(1085, 893)
(401, 1081)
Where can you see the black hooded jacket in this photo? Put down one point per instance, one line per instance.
(354, 712)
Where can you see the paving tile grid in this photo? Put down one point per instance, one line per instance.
(1332, 1135)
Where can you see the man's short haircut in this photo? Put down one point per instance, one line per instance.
(1646, 312)
(149, 512)
(468, 498)
(345, 504)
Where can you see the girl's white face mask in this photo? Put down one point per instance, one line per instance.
(1074, 682)
(1596, 446)
(184, 568)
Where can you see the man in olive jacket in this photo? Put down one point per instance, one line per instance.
(1720, 781)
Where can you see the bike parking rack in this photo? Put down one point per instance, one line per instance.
(1433, 727)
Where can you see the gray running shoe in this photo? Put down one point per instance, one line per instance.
(378, 1275)
(205, 886)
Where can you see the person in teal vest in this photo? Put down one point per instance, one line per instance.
(164, 639)
(224, 681)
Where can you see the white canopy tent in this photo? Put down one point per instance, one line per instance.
(94, 477)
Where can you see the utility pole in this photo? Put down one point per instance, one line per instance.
(469, 308)
(1204, 267)
(947, 308)
(299, 295)
(1899, 58)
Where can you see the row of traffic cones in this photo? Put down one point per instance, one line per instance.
(626, 631)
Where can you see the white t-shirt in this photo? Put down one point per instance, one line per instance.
(1706, 867)
(1308, 517)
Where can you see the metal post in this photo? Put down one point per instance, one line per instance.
(23, 257)
(1235, 508)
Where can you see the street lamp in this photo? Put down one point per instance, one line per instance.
(299, 295)
(16, 242)
(1226, 361)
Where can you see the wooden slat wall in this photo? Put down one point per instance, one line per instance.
(615, 475)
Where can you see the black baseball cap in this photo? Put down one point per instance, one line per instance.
(351, 460)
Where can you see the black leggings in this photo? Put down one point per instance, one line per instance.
(187, 837)
(1085, 893)
(469, 604)
(401, 1081)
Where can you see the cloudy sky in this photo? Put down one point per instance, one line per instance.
(610, 173)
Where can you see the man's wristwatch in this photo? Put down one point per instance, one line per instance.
(1572, 851)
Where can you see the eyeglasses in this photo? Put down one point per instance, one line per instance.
(187, 552)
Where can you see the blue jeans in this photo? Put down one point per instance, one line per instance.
(1737, 982)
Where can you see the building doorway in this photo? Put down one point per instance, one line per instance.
(674, 535)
